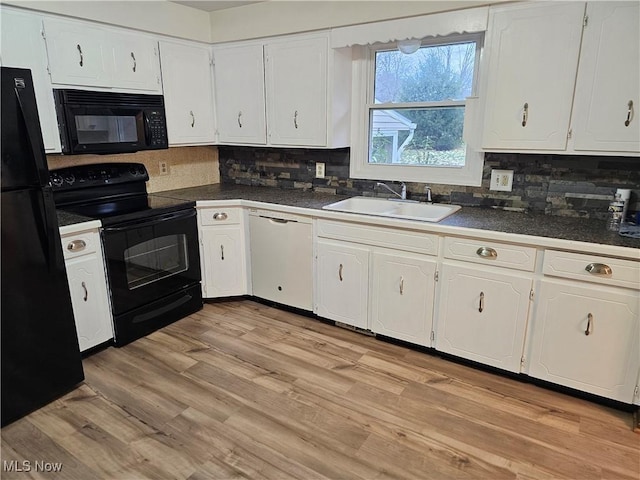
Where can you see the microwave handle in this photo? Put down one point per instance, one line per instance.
(147, 128)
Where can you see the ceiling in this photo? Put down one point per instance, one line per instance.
(210, 6)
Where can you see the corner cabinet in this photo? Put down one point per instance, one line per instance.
(533, 56)
(88, 285)
(22, 46)
(607, 103)
(283, 91)
(585, 328)
(188, 92)
(222, 251)
(239, 94)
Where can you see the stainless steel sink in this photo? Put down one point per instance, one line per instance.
(424, 212)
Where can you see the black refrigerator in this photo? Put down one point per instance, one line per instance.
(40, 357)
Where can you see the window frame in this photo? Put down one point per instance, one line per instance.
(362, 104)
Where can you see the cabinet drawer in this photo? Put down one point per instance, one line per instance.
(591, 268)
(490, 253)
(220, 216)
(411, 241)
(75, 245)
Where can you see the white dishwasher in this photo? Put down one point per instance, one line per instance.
(282, 257)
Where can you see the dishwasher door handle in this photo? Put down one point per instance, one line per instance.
(278, 220)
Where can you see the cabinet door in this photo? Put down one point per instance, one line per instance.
(343, 282)
(89, 298)
(296, 75)
(77, 54)
(604, 362)
(223, 262)
(136, 62)
(608, 85)
(239, 87)
(23, 47)
(483, 315)
(402, 296)
(533, 57)
(188, 93)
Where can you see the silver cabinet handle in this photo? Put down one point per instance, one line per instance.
(220, 216)
(295, 119)
(481, 303)
(599, 269)
(525, 114)
(401, 286)
(193, 118)
(76, 245)
(627, 122)
(487, 252)
(589, 324)
(221, 252)
(135, 64)
(239, 119)
(340, 272)
(86, 292)
(81, 56)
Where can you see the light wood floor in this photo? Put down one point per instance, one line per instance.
(242, 390)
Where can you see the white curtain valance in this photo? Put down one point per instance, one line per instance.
(470, 20)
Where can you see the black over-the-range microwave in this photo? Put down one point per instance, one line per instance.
(109, 122)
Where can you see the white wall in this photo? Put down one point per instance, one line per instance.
(156, 16)
(278, 17)
(268, 18)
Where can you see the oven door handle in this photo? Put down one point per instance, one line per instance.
(147, 222)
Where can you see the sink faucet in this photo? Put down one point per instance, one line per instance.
(403, 190)
(427, 191)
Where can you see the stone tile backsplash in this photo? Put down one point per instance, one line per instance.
(577, 186)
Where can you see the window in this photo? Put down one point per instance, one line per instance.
(409, 112)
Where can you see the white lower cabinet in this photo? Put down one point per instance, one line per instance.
(483, 314)
(222, 252)
(88, 287)
(343, 282)
(402, 296)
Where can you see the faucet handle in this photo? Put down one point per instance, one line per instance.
(427, 191)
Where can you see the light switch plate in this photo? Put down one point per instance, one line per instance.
(501, 180)
(319, 170)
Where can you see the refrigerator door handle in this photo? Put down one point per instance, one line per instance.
(37, 148)
(46, 230)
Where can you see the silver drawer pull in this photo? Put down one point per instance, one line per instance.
(599, 269)
(220, 216)
(589, 324)
(481, 303)
(86, 292)
(401, 286)
(487, 252)
(340, 272)
(76, 245)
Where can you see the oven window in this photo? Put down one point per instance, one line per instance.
(155, 259)
(106, 129)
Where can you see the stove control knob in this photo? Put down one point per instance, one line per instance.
(133, 171)
(69, 178)
(56, 179)
(141, 170)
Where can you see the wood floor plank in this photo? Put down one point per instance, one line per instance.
(243, 390)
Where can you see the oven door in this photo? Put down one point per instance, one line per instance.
(150, 259)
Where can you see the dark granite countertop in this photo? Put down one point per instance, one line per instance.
(487, 219)
(67, 218)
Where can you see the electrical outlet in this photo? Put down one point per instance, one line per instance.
(164, 168)
(501, 180)
(319, 170)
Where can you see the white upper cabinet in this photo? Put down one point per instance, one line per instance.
(136, 62)
(88, 55)
(297, 92)
(22, 46)
(77, 53)
(286, 91)
(607, 101)
(188, 92)
(239, 87)
(533, 55)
